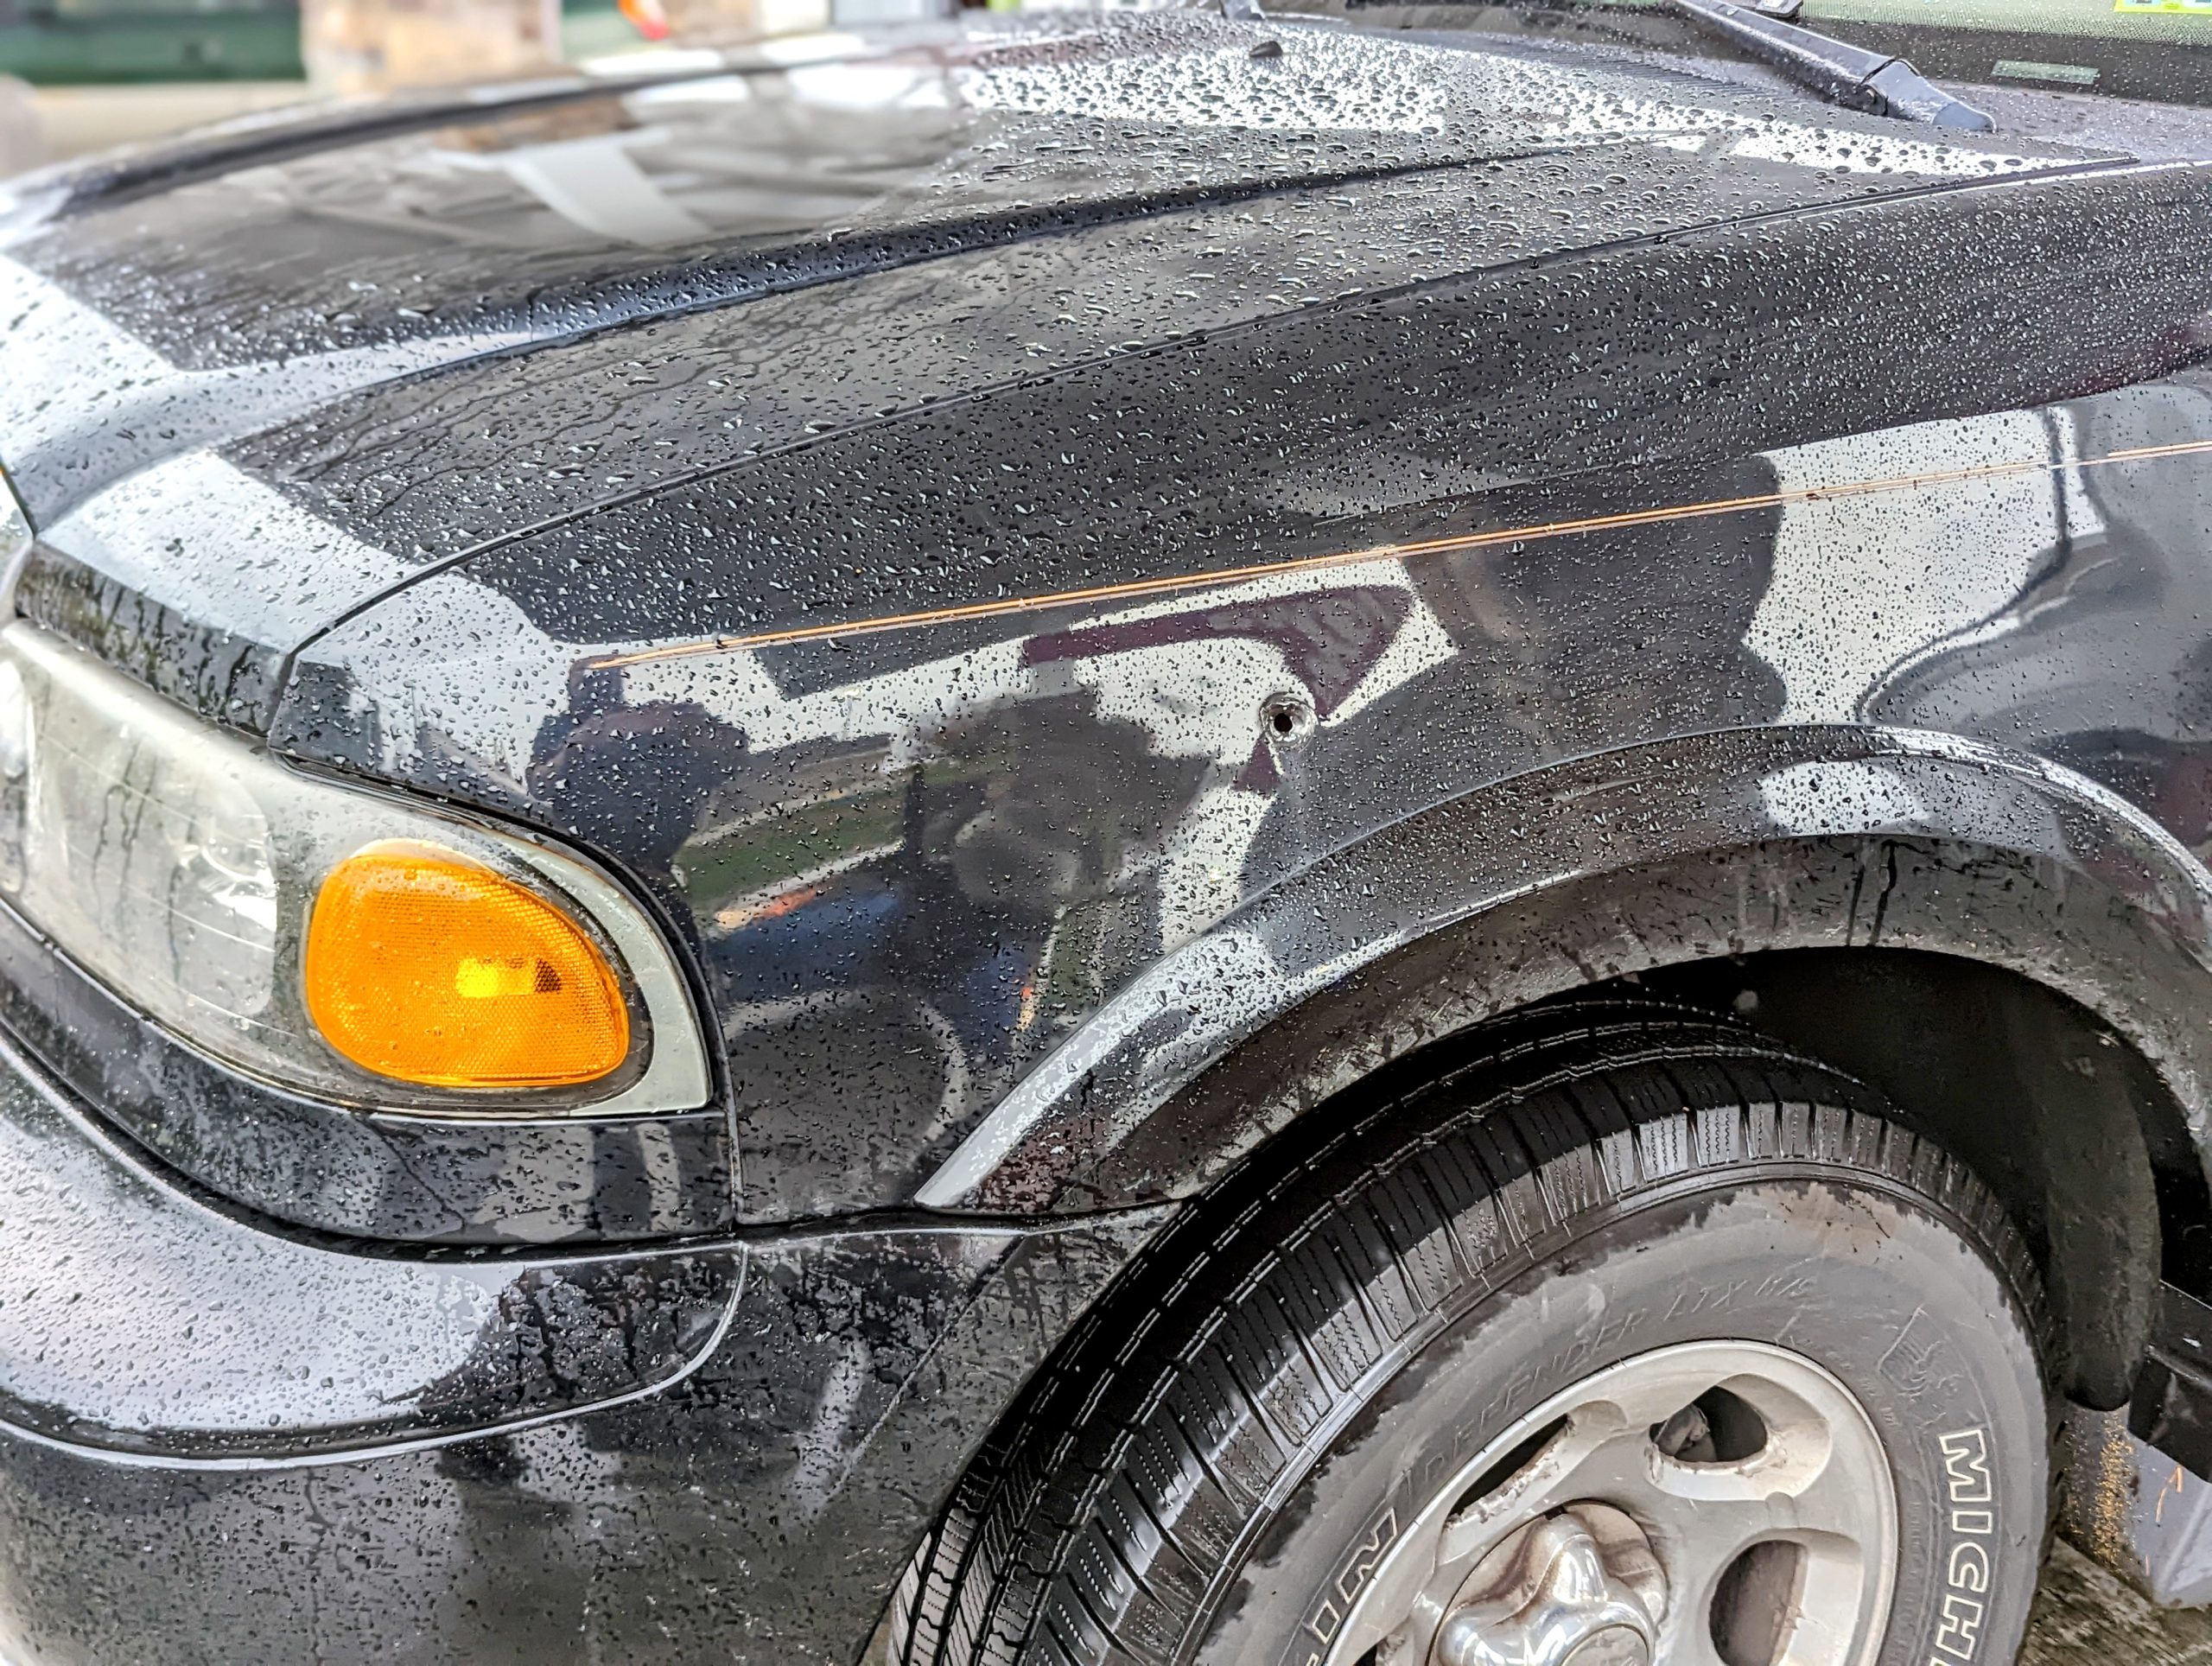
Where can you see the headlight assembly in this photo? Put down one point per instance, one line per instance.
(324, 938)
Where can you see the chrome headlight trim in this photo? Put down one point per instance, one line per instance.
(15, 539)
(676, 1076)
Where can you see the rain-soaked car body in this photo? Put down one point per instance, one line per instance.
(1098, 581)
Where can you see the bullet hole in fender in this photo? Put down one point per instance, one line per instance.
(1287, 717)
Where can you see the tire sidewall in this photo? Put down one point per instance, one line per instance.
(1872, 1283)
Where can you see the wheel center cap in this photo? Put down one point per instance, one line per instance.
(1579, 1588)
(1616, 1645)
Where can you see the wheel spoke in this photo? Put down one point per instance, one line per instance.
(1554, 1475)
(1727, 1483)
(1803, 1482)
(1698, 1537)
(1688, 1643)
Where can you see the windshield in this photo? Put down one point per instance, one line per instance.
(2028, 59)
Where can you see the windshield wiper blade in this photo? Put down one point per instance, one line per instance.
(1848, 75)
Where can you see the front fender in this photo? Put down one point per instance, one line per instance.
(1718, 844)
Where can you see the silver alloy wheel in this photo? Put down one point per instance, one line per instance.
(1714, 1504)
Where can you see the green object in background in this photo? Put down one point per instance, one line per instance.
(2130, 48)
(2084, 20)
(95, 42)
(84, 42)
(2158, 50)
(596, 28)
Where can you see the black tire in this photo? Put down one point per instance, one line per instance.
(1567, 1191)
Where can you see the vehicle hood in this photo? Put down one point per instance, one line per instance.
(260, 379)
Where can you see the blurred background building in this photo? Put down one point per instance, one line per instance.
(80, 75)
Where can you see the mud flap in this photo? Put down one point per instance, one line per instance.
(2138, 1480)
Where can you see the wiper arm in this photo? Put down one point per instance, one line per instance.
(1845, 74)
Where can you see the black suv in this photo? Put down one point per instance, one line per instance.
(1118, 838)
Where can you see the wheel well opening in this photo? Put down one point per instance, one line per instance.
(2059, 1113)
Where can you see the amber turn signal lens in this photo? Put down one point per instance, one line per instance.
(423, 965)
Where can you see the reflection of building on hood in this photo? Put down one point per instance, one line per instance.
(626, 777)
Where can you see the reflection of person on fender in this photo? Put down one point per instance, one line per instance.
(630, 780)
